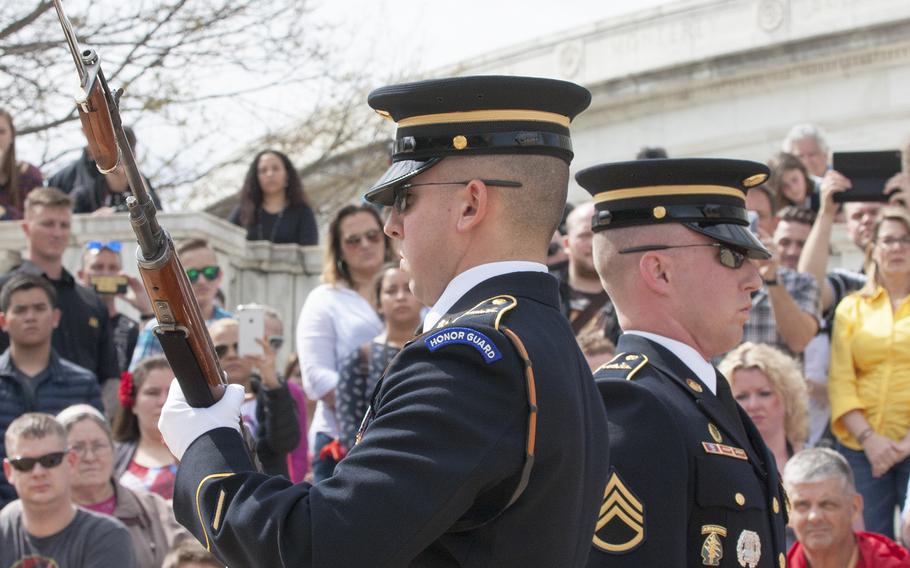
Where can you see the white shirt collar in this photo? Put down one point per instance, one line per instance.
(471, 277)
(703, 369)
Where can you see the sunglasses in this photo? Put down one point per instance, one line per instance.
(727, 256)
(222, 349)
(372, 236)
(47, 461)
(210, 273)
(402, 192)
(98, 246)
(274, 341)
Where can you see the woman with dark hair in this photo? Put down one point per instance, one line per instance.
(141, 460)
(337, 317)
(361, 370)
(791, 183)
(869, 376)
(149, 518)
(273, 206)
(16, 178)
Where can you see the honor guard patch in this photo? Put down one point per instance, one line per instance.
(622, 366)
(464, 336)
(621, 521)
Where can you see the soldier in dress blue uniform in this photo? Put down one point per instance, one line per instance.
(691, 483)
(469, 455)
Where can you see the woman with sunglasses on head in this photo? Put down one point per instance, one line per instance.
(273, 206)
(147, 516)
(869, 376)
(337, 317)
(362, 369)
(141, 460)
(268, 410)
(17, 178)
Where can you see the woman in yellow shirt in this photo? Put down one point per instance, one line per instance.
(869, 380)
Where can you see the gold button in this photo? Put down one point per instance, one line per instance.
(740, 499)
(459, 142)
(775, 505)
(782, 560)
(659, 212)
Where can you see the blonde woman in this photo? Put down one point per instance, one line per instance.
(869, 377)
(771, 389)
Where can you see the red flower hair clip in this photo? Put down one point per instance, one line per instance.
(126, 390)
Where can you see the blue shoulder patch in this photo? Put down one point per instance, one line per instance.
(464, 336)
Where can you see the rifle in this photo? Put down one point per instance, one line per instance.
(181, 327)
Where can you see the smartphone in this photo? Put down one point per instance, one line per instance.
(252, 327)
(868, 172)
(109, 284)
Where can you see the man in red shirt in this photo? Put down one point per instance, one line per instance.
(825, 505)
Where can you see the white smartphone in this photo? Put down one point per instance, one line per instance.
(252, 327)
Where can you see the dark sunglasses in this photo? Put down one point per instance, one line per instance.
(402, 192)
(47, 461)
(98, 246)
(210, 273)
(275, 342)
(222, 349)
(727, 256)
(372, 236)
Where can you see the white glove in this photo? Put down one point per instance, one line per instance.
(180, 424)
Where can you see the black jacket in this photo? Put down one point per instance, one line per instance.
(686, 487)
(439, 459)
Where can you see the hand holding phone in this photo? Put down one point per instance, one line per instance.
(252, 327)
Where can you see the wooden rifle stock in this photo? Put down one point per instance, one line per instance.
(181, 327)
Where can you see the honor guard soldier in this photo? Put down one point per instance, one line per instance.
(691, 483)
(485, 441)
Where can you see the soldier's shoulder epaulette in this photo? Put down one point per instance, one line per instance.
(622, 366)
(471, 328)
(489, 313)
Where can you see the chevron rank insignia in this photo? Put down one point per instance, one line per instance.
(622, 366)
(621, 522)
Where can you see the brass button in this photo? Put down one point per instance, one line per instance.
(659, 212)
(782, 560)
(775, 505)
(740, 499)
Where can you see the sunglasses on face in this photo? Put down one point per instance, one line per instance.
(372, 236)
(221, 350)
(47, 461)
(98, 246)
(402, 192)
(727, 256)
(210, 273)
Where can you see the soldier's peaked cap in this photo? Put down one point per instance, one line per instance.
(707, 195)
(464, 116)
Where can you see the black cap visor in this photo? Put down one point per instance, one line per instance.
(383, 191)
(737, 236)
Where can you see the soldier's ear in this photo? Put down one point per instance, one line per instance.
(653, 268)
(473, 201)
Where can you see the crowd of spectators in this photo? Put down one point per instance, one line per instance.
(823, 371)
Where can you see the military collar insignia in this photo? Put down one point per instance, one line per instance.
(621, 522)
(622, 366)
(694, 385)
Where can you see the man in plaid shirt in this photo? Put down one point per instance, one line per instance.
(785, 309)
